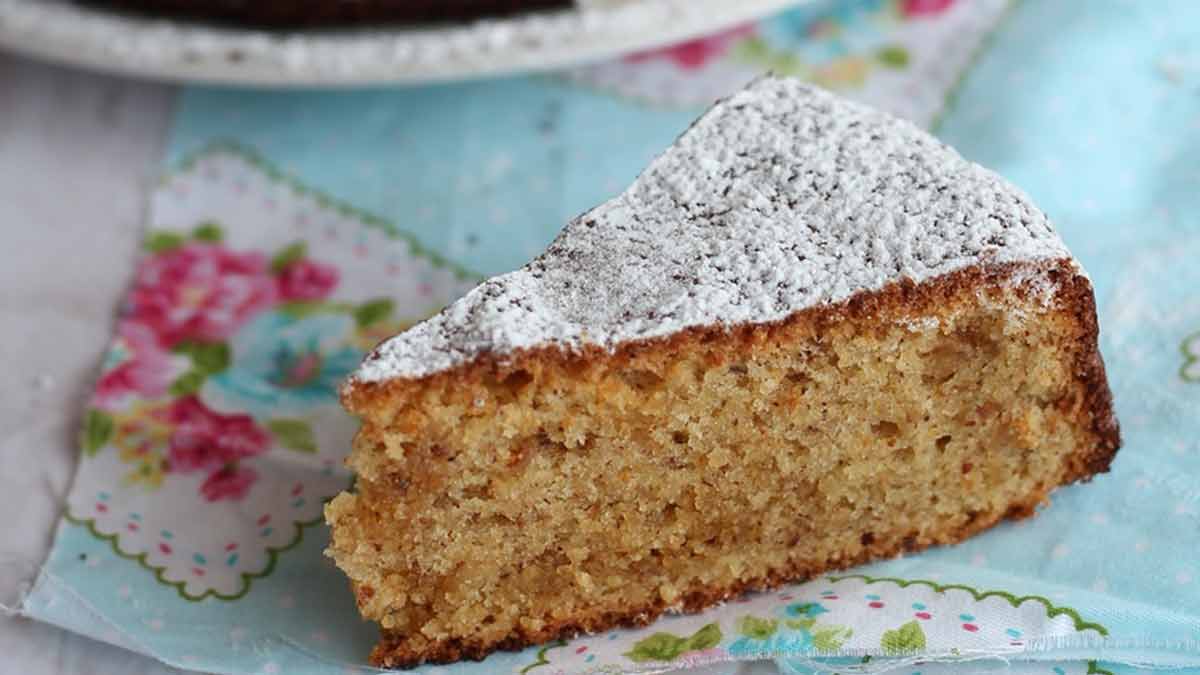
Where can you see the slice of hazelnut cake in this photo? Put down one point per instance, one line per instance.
(809, 335)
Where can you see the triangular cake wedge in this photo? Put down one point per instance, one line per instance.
(809, 335)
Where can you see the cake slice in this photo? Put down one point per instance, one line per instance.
(808, 336)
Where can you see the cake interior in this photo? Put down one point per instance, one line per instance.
(513, 504)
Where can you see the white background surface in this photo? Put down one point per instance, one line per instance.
(76, 156)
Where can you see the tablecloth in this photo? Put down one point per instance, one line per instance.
(331, 220)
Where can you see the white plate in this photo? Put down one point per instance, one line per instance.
(62, 31)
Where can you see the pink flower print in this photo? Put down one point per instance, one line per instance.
(696, 53)
(924, 7)
(200, 291)
(307, 280)
(136, 364)
(203, 439)
(822, 28)
(228, 482)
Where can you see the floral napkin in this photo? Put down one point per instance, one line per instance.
(214, 435)
(273, 261)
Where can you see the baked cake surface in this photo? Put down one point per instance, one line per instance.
(781, 198)
(807, 336)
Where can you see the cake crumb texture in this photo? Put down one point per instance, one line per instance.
(514, 501)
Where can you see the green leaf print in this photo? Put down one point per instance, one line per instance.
(1190, 370)
(800, 624)
(657, 647)
(299, 309)
(541, 656)
(372, 312)
(211, 357)
(753, 49)
(208, 231)
(668, 647)
(288, 255)
(831, 638)
(187, 383)
(892, 56)
(207, 357)
(759, 629)
(906, 639)
(757, 52)
(706, 638)
(157, 242)
(97, 430)
(293, 434)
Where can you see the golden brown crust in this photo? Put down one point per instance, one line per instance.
(1090, 407)
(899, 298)
(1089, 369)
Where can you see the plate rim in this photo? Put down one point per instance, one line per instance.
(165, 49)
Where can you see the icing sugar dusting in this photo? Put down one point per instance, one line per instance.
(780, 198)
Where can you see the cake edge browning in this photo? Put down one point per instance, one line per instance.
(1074, 291)
(1073, 294)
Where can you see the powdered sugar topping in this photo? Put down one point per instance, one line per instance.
(781, 198)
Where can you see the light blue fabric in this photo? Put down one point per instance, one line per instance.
(483, 172)
(1080, 109)
(279, 348)
(1093, 108)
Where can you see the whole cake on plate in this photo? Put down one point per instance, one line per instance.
(333, 12)
(809, 335)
